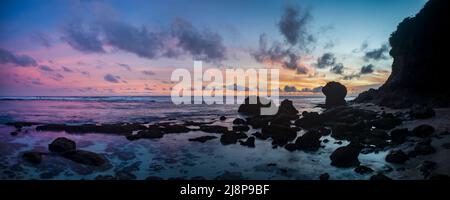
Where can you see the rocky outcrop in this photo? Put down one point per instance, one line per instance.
(419, 47)
(335, 94)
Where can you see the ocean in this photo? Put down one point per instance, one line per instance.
(170, 157)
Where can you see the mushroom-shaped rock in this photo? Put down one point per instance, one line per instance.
(335, 94)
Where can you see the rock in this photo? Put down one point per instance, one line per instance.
(290, 147)
(125, 175)
(260, 136)
(238, 121)
(386, 123)
(421, 112)
(325, 141)
(222, 118)
(379, 177)
(418, 75)
(241, 128)
(346, 156)
(423, 131)
(259, 121)
(254, 109)
(398, 136)
(173, 128)
(426, 167)
(32, 157)
(213, 129)
(250, 142)
(202, 139)
(105, 177)
(148, 134)
(324, 177)
(309, 141)
(424, 148)
(280, 135)
(287, 108)
(231, 137)
(118, 128)
(309, 120)
(363, 170)
(335, 94)
(398, 157)
(14, 133)
(85, 157)
(62, 145)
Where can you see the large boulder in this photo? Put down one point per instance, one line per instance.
(398, 157)
(346, 156)
(62, 145)
(287, 108)
(309, 141)
(335, 94)
(418, 71)
(423, 131)
(85, 157)
(253, 108)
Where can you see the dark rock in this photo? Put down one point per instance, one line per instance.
(287, 108)
(238, 121)
(325, 141)
(259, 121)
(250, 108)
(280, 134)
(309, 120)
(324, 177)
(418, 75)
(148, 134)
(398, 136)
(202, 139)
(309, 141)
(398, 157)
(424, 148)
(32, 157)
(222, 118)
(241, 128)
(231, 137)
(85, 157)
(290, 147)
(14, 133)
(426, 167)
(346, 156)
(423, 131)
(20, 125)
(119, 128)
(324, 131)
(386, 123)
(379, 177)
(125, 175)
(446, 145)
(62, 145)
(105, 177)
(335, 94)
(363, 170)
(250, 142)
(260, 136)
(421, 112)
(173, 128)
(213, 129)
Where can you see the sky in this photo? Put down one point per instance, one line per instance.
(94, 47)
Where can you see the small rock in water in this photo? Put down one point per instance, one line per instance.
(346, 156)
(398, 136)
(62, 145)
(398, 157)
(379, 177)
(421, 112)
(203, 139)
(33, 157)
(85, 157)
(238, 121)
(231, 137)
(290, 147)
(423, 131)
(363, 169)
(222, 118)
(250, 142)
(309, 141)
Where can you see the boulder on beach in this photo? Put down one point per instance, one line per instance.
(335, 94)
(309, 141)
(423, 131)
(287, 108)
(252, 105)
(62, 145)
(346, 156)
(398, 157)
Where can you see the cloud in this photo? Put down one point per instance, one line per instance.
(127, 67)
(377, 54)
(45, 68)
(368, 69)
(338, 68)
(83, 38)
(182, 38)
(205, 44)
(326, 60)
(313, 90)
(111, 78)
(7, 57)
(293, 25)
(288, 88)
(351, 76)
(362, 48)
(65, 69)
(148, 73)
(42, 39)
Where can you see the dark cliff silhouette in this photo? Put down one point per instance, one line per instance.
(419, 71)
